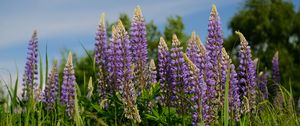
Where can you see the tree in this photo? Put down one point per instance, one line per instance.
(153, 36)
(270, 25)
(175, 26)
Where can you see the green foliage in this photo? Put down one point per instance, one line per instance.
(175, 26)
(270, 26)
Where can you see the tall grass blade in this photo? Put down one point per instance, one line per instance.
(226, 104)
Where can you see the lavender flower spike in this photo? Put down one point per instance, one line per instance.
(197, 89)
(50, 92)
(68, 88)
(178, 71)
(31, 70)
(275, 68)
(213, 67)
(262, 84)
(202, 53)
(120, 66)
(163, 69)
(101, 59)
(247, 76)
(138, 42)
(195, 50)
(233, 97)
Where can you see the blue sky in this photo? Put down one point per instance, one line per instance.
(67, 23)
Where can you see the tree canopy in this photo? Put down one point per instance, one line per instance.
(270, 26)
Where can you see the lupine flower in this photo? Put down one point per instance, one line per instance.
(275, 68)
(278, 100)
(202, 54)
(90, 88)
(163, 69)
(196, 52)
(196, 88)
(193, 51)
(101, 59)
(262, 84)
(224, 69)
(247, 76)
(68, 88)
(138, 42)
(233, 96)
(151, 79)
(275, 75)
(51, 89)
(30, 74)
(115, 59)
(178, 71)
(120, 67)
(213, 66)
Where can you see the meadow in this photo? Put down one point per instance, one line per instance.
(195, 85)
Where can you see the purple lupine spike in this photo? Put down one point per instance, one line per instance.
(120, 67)
(101, 58)
(278, 100)
(151, 73)
(234, 95)
(196, 89)
(192, 50)
(213, 66)
(50, 92)
(138, 42)
(224, 69)
(68, 91)
(178, 71)
(202, 53)
(113, 58)
(163, 69)
(262, 84)
(275, 68)
(30, 74)
(247, 76)
(196, 52)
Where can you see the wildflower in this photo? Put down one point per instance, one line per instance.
(68, 87)
(262, 84)
(247, 76)
(163, 69)
(196, 52)
(178, 73)
(120, 66)
(213, 67)
(50, 92)
(30, 74)
(234, 95)
(101, 59)
(225, 61)
(275, 68)
(138, 43)
(196, 89)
